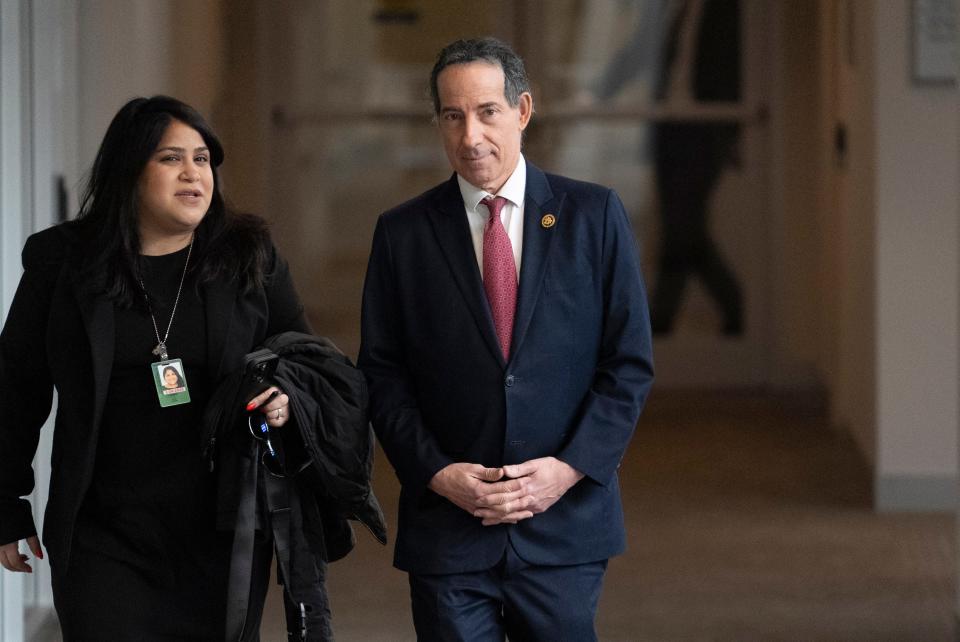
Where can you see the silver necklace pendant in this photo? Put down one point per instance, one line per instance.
(161, 351)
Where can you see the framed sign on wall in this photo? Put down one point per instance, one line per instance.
(934, 31)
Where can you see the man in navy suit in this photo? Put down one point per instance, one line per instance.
(506, 342)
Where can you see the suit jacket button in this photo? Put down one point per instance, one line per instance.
(508, 381)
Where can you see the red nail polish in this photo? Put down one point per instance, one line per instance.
(251, 406)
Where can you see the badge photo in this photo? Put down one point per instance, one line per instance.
(171, 382)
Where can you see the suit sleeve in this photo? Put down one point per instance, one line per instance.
(624, 372)
(26, 393)
(285, 313)
(410, 447)
(284, 306)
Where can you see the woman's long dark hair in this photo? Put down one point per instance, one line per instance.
(225, 242)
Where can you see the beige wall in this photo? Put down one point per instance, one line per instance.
(867, 277)
(251, 79)
(855, 376)
(918, 275)
(869, 280)
(848, 223)
(822, 314)
(141, 48)
(801, 329)
(864, 264)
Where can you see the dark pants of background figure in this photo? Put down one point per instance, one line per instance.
(689, 158)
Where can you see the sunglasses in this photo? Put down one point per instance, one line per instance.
(273, 457)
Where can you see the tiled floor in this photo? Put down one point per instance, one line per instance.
(748, 522)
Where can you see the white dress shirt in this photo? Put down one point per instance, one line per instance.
(511, 215)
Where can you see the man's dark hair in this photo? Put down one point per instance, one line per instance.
(488, 50)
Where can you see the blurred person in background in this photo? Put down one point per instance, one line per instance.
(691, 51)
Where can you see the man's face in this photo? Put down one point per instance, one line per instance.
(481, 131)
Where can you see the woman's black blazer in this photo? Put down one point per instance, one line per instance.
(59, 335)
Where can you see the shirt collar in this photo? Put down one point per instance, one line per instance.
(513, 190)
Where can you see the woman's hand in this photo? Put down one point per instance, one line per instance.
(274, 404)
(11, 558)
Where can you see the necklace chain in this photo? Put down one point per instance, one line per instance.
(161, 349)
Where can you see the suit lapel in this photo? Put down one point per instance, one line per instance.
(449, 221)
(96, 310)
(537, 242)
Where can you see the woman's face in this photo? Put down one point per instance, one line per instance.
(175, 188)
(170, 378)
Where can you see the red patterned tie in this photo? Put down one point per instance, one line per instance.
(499, 273)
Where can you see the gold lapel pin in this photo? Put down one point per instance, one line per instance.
(548, 221)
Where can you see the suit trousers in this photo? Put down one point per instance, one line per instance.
(514, 600)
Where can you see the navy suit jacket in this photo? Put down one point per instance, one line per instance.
(578, 375)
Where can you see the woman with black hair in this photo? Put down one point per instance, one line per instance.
(172, 379)
(155, 272)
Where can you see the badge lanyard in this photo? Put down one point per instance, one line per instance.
(168, 375)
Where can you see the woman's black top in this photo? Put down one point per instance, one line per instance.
(151, 506)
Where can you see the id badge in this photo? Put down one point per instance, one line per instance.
(171, 382)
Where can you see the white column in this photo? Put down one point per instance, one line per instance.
(124, 52)
(917, 276)
(53, 140)
(13, 212)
